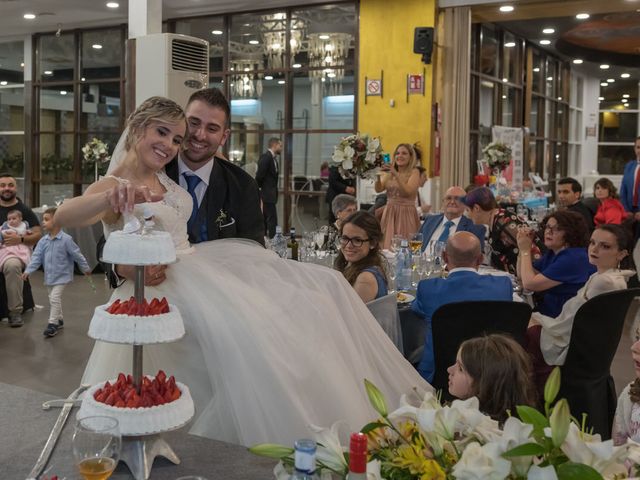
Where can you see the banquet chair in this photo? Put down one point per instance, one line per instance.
(385, 311)
(27, 298)
(586, 380)
(454, 323)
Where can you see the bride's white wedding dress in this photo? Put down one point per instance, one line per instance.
(271, 345)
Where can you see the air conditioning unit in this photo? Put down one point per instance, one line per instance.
(170, 65)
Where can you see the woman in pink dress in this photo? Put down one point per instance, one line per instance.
(401, 180)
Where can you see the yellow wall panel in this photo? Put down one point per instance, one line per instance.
(386, 43)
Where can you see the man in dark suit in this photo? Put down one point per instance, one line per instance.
(463, 256)
(569, 193)
(267, 178)
(226, 198)
(338, 185)
(439, 227)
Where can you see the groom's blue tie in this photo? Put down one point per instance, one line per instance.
(192, 183)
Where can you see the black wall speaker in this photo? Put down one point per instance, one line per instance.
(423, 42)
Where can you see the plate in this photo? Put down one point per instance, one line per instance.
(402, 297)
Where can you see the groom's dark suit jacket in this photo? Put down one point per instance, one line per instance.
(233, 194)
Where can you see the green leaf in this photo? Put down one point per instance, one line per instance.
(525, 450)
(532, 416)
(376, 398)
(552, 386)
(271, 450)
(372, 426)
(559, 421)
(577, 471)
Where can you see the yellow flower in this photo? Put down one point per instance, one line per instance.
(417, 463)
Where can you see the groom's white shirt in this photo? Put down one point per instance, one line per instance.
(203, 172)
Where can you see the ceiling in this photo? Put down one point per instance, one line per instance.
(66, 14)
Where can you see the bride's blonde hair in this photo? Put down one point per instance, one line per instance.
(154, 108)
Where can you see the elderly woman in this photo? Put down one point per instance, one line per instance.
(342, 206)
(564, 268)
(503, 228)
(360, 259)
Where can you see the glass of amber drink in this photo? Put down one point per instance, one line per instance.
(96, 446)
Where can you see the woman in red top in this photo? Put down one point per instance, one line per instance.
(610, 209)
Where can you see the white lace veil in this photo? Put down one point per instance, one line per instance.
(119, 152)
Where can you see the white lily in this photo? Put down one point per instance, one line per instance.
(604, 457)
(347, 163)
(349, 152)
(482, 463)
(373, 145)
(542, 473)
(441, 421)
(373, 470)
(330, 451)
(472, 420)
(514, 434)
(338, 155)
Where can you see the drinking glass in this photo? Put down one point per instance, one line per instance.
(416, 243)
(391, 274)
(522, 211)
(438, 252)
(395, 242)
(96, 446)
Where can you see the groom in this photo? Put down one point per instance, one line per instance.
(226, 198)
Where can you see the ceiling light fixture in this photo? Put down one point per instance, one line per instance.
(268, 77)
(600, 98)
(296, 65)
(604, 84)
(510, 44)
(112, 5)
(4, 82)
(254, 42)
(505, 80)
(577, 61)
(63, 92)
(48, 72)
(625, 75)
(548, 31)
(536, 69)
(216, 32)
(549, 79)
(97, 46)
(610, 80)
(281, 82)
(29, 16)
(545, 42)
(625, 95)
(506, 8)
(22, 65)
(604, 66)
(582, 16)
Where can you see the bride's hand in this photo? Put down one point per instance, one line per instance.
(125, 195)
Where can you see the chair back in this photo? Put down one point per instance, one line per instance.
(385, 310)
(454, 323)
(586, 377)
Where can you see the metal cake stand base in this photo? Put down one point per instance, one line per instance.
(138, 453)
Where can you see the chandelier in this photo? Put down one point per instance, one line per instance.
(245, 83)
(274, 38)
(328, 50)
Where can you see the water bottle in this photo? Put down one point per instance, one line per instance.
(403, 267)
(305, 460)
(279, 243)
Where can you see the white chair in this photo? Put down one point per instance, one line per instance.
(385, 310)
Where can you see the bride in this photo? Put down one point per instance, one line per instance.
(271, 345)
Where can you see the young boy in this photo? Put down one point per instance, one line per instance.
(57, 251)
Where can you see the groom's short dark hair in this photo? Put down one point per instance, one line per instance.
(214, 98)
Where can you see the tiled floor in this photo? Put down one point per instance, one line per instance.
(55, 365)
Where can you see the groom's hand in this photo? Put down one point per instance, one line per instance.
(153, 274)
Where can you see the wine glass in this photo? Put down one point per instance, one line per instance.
(96, 446)
(395, 242)
(438, 251)
(391, 274)
(416, 243)
(522, 211)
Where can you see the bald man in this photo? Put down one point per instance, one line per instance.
(463, 256)
(441, 226)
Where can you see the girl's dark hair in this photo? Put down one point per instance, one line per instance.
(572, 224)
(604, 182)
(501, 374)
(374, 258)
(624, 240)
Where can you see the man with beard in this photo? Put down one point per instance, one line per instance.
(13, 266)
(226, 200)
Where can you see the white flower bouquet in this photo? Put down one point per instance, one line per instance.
(457, 441)
(95, 151)
(357, 155)
(497, 155)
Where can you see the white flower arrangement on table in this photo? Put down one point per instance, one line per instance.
(497, 155)
(457, 441)
(357, 155)
(95, 151)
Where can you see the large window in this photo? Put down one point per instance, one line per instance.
(77, 97)
(289, 74)
(12, 109)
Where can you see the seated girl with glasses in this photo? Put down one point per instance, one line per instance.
(564, 268)
(360, 259)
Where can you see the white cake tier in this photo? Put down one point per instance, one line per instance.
(142, 421)
(152, 248)
(136, 330)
